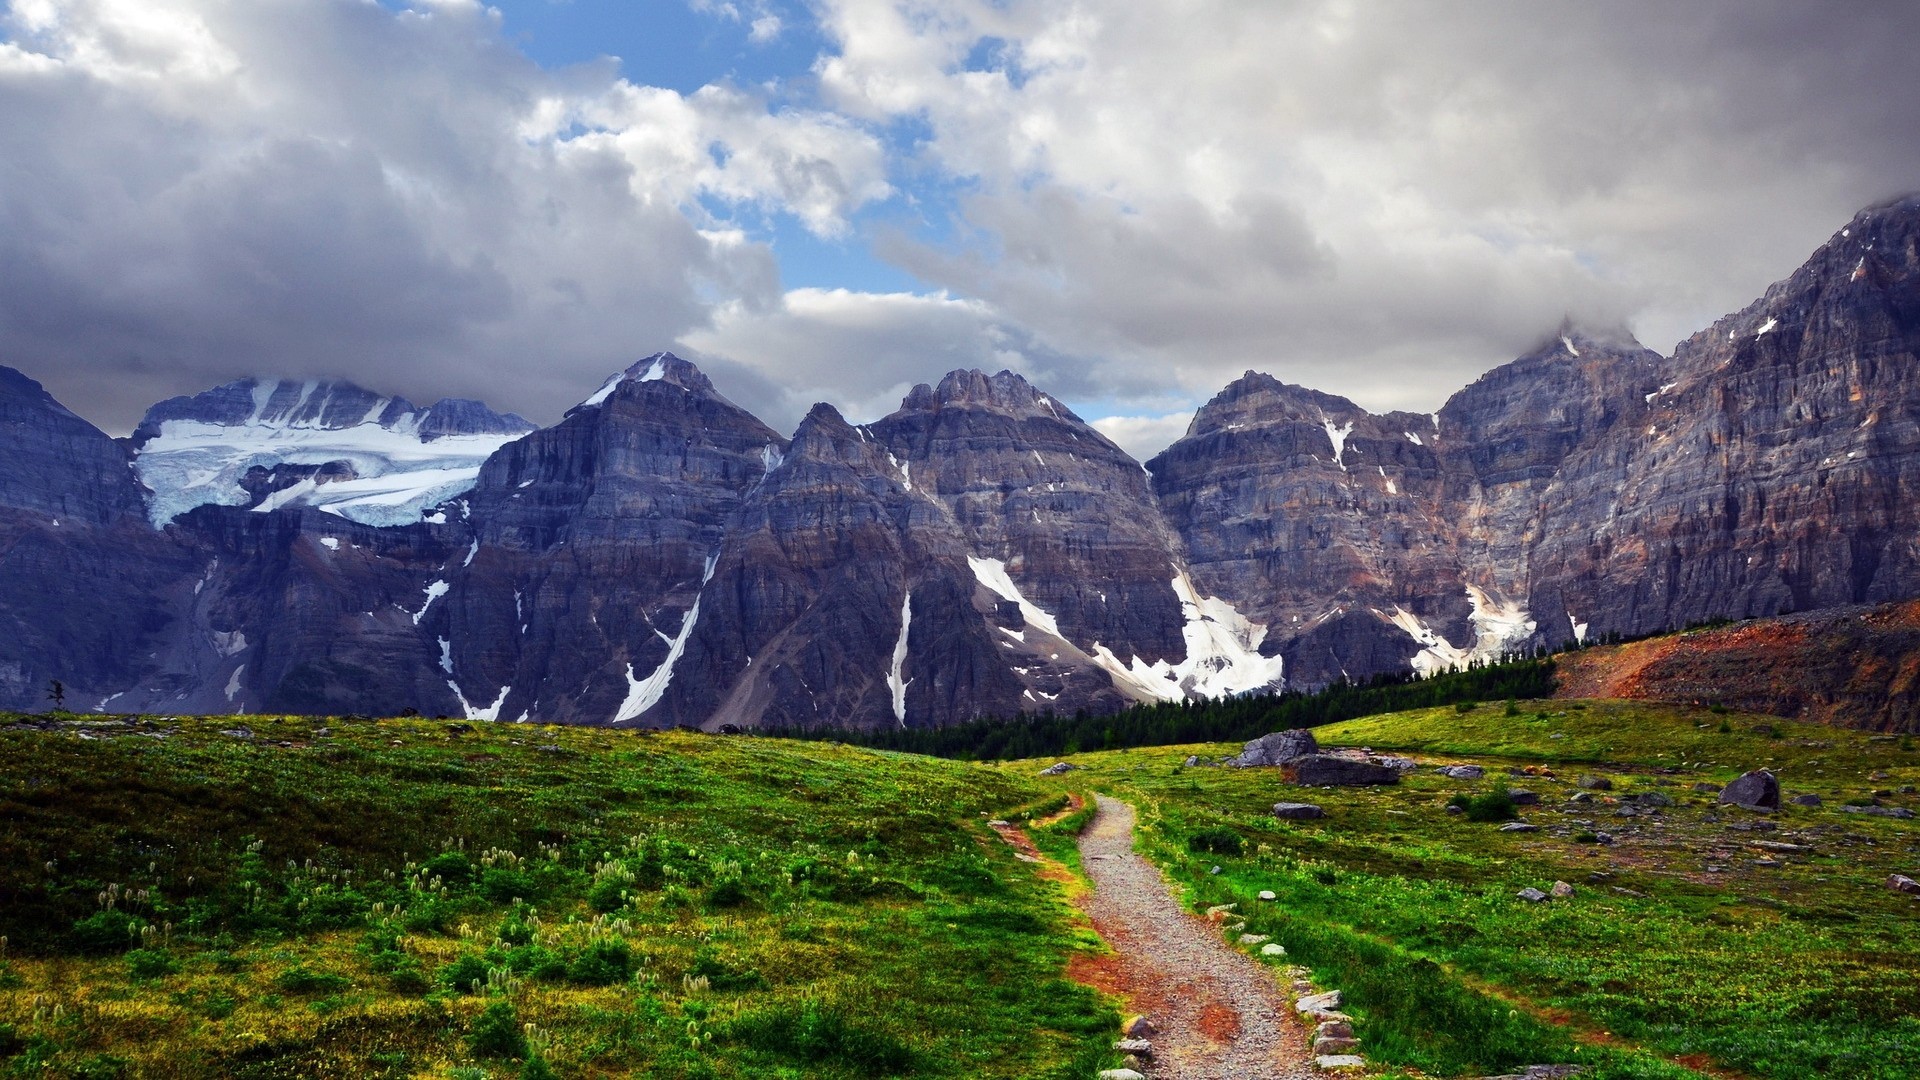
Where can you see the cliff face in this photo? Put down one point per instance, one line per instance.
(84, 583)
(1774, 469)
(662, 557)
(590, 543)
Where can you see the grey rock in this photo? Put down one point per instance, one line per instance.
(1522, 797)
(1531, 895)
(1059, 769)
(1327, 1044)
(1323, 1002)
(1758, 788)
(1519, 826)
(1880, 811)
(1903, 883)
(1295, 811)
(1462, 772)
(1277, 748)
(1561, 890)
(1325, 770)
(1595, 783)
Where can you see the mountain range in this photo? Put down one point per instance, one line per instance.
(662, 557)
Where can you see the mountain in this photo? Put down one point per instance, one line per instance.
(86, 587)
(268, 444)
(661, 556)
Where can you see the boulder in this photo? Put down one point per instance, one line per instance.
(1134, 1046)
(1903, 883)
(1297, 811)
(1267, 894)
(1399, 764)
(1595, 783)
(1462, 772)
(1277, 748)
(1334, 1029)
(1340, 1063)
(1254, 939)
(1139, 1028)
(1531, 895)
(1327, 1044)
(1121, 1074)
(1059, 769)
(1519, 826)
(1758, 789)
(1325, 770)
(1272, 949)
(1561, 890)
(1650, 799)
(1523, 797)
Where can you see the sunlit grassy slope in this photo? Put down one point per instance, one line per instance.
(1693, 938)
(402, 898)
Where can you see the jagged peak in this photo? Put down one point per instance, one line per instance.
(1574, 338)
(661, 367)
(1006, 391)
(1259, 390)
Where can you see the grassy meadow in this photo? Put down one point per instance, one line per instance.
(1694, 943)
(290, 897)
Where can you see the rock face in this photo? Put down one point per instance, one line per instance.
(662, 557)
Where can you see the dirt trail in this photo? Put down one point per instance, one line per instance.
(1219, 1012)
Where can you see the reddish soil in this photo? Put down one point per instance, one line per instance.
(1852, 667)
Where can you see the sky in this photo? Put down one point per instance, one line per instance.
(1130, 204)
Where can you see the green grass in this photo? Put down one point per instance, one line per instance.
(178, 902)
(1806, 968)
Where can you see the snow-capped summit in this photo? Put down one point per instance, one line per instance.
(270, 443)
(660, 367)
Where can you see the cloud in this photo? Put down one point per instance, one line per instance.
(1145, 436)
(860, 351)
(195, 191)
(1379, 199)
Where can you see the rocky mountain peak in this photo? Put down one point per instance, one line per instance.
(1258, 399)
(56, 463)
(662, 367)
(1006, 392)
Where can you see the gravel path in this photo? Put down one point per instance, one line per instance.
(1219, 1012)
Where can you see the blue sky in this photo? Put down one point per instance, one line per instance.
(837, 199)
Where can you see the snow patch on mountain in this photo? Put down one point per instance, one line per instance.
(993, 574)
(1500, 626)
(896, 677)
(1223, 654)
(644, 694)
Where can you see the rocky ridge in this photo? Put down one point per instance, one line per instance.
(661, 556)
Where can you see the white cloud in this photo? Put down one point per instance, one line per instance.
(1380, 199)
(1144, 436)
(220, 188)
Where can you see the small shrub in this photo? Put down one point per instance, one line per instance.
(608, 895)
(218, 1006)
(102, 1067)
(1465, 706)
(1513, 708)
(408, 978)
(451, 867)
(1493, 806)
(536, 1068)
(1726, 728)
(514, 931)
(603, 963)
(151, 964)
(722, 976)
(816, 1034)
(1219, 841)
(1586, 838)
(730, 893)
(504, 886)
(1325, 876)
(1716, 707)
(301, 979)
(460, 975)
(496, 1033)
(104, 932)
(227, 963)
